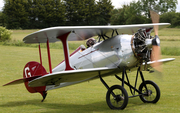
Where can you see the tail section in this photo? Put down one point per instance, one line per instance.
(32, 70)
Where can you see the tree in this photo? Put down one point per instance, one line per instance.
(128, 14)
(118, 16)
(104, 8)
(33, 13)
(81, 12)
(5, 34)
(16, 14)
(2, 19)
(171, 17)
(72, 16)
(55, 13)
(160, 6)
(134, 15)
(46, 13)
(176, 21)
(90, 12)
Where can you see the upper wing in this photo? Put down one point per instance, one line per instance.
(71, 76)
(85, 32)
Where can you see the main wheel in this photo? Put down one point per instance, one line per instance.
(117, 97)
(152, 94)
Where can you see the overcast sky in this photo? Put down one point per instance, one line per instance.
(116, 3)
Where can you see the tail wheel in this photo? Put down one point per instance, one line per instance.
(117, 97)
(152, 94)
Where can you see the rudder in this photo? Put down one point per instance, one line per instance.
(33, 69)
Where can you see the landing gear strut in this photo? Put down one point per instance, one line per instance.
(117, 97)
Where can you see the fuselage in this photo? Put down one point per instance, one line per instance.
(113, 52)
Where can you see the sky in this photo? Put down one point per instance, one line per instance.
(116, 3)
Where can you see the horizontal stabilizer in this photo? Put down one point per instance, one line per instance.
(22, 80)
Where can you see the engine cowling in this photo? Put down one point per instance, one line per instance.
(142, 45)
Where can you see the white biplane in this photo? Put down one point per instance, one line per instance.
(114, 52)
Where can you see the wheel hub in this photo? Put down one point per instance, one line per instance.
(149, 92)
(119, 98)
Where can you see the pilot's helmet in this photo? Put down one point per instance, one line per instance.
(90, 42)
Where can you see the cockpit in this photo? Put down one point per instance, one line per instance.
(90, 42)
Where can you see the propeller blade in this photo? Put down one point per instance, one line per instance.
(155, 56)
(155, 19)
(156, 51)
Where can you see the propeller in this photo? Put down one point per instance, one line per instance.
(156, 51)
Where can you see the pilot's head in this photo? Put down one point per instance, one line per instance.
(90, 42)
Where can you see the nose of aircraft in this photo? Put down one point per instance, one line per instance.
(148, 43)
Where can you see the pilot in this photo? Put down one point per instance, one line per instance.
(90, 42)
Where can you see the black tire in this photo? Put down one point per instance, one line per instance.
(120, 98)
(153, 93)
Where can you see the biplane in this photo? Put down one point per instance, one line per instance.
(113, 52)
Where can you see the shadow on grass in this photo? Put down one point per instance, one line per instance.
(58, 106)
(71, 107)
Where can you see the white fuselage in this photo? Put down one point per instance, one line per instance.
(112, 52)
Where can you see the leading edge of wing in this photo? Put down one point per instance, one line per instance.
(70, 76)
(166, 60)
(163, 61)
(84, 32)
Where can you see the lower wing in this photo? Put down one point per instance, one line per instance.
(79, 75)
(71, 76)
(161, 61)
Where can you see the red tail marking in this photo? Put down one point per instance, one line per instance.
(33, 69)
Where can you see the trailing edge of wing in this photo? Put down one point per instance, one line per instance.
(71, 76)
(84, 32)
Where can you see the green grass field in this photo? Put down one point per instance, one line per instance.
(85, 97)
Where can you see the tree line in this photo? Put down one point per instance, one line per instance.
(37, 14)
(138, 12)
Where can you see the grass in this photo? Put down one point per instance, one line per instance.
(169, 32)
(84, 97)
(20, 34)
